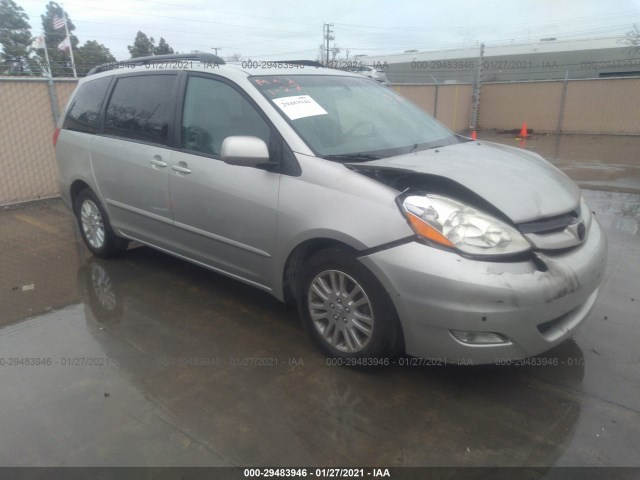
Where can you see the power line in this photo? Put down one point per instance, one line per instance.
(226, 12)
(198, 20)
(570, 20)
(498, 42)
(272, 39)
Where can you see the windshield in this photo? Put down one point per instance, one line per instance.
(351, 118)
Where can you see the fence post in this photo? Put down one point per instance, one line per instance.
(435, 102)
(475, 98)
(53, 97)
(563, 98)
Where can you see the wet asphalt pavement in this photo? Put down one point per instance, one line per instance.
(148, 360)
(596, 162)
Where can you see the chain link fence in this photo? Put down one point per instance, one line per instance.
(27, 121)
(450, 104)
(598, 106)
(29, 106)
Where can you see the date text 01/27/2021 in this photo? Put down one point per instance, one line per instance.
(317, 472)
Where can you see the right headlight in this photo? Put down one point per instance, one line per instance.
(456, 225)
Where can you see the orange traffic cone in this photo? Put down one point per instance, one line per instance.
(473, 135)
(523, 130)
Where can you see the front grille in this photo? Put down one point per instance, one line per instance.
(557, 233)
(551, 224)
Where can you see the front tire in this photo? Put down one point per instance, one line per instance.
(345, 309)
(95, 228)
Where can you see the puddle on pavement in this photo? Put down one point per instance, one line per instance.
(609, 162)
(620, 211)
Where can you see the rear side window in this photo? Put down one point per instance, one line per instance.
(141, 108)
(84, 110)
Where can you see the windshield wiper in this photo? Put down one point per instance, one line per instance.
(416, 148)
(354, 157)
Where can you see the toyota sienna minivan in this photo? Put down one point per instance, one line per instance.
(328, 190)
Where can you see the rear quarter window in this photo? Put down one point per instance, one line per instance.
(83, 113)
(141, 108)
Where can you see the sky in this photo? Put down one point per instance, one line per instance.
(293, 29)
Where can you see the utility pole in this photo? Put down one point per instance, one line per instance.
(476, 91)
(328, 35)
(216, 49)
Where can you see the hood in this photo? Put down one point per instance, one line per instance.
(519, 183)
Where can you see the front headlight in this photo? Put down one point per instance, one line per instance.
(460, 226)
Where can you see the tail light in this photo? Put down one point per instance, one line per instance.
(56, 133)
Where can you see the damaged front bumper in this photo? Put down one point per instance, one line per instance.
(437, 292)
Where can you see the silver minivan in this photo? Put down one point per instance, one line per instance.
(331, 192)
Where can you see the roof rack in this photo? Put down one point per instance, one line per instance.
(199, 57)
(306, 63)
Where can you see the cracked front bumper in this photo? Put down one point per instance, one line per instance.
(435, 291)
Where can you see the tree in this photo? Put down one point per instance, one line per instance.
(632, 40)
(632, 37)
(163, 47)
(335, 50)
(142, 46)
(236, 57)
(321, 57)
(60, 61)
(15, 38)
(89, 55)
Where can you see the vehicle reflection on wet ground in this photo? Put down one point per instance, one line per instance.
(149, 360)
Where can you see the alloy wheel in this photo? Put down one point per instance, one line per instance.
(341, 311)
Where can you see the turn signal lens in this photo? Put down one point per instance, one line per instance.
(427, 231)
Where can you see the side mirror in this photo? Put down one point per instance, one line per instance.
(244, 151)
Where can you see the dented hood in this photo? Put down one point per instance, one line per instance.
(517, 182)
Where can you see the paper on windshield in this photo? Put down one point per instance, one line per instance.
(300, 106)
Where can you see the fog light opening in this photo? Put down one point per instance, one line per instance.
(478, 338)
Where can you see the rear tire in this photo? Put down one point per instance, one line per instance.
(95, 228)
(345, 309)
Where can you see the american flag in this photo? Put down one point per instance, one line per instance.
(58, 22)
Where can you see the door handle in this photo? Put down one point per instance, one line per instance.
(157, 161)
(181, 168)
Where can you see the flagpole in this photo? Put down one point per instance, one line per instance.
(46, 54)
(38, 43)
(73, 62)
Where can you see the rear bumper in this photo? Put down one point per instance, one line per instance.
(436, 291)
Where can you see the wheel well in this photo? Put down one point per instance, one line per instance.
(297, 259)
(76, 188)
(299, 256)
